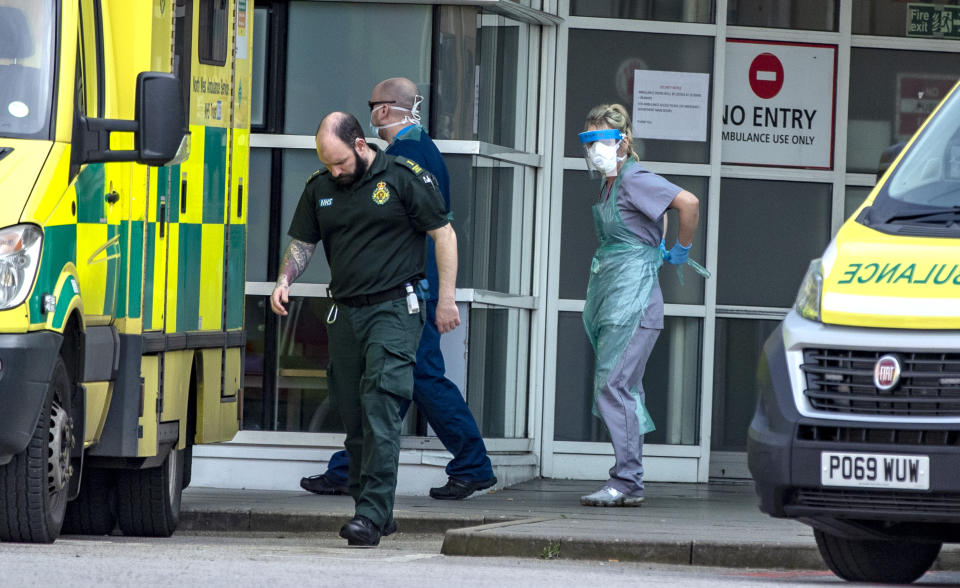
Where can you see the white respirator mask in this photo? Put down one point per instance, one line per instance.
(600, 150)
(413, 118)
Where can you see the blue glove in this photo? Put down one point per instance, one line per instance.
(663, 249)
(678, 254)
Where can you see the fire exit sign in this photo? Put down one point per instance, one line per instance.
(933, 20)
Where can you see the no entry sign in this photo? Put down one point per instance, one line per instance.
(766, 75)
(778, 105)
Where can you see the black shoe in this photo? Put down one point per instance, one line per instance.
(362, 532)
(321, 484)
(456, 489)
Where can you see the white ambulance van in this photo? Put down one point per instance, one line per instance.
(857, 428)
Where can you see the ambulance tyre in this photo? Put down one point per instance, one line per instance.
(867, 560)
(35, 483)
(148, 500)
(94, 510)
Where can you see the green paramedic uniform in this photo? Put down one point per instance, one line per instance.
(374, 238)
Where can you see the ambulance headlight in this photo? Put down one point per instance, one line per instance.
(19, 259)
(808, 298)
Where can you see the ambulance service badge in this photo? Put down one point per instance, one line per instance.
(381, 194)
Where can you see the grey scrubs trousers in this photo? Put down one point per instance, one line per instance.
(619, 411)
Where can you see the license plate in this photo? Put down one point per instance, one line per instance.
(875, 470)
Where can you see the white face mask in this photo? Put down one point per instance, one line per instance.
(408, 119)
(604, 157)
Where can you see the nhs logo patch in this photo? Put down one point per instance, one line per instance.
(325, 202)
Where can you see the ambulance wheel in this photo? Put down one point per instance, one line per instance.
(148, 500)
(867, 560)
(94, 510)
(34, 484)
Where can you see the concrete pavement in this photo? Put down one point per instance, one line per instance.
(700, 524)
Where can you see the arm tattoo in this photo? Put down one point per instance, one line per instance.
(294, 262)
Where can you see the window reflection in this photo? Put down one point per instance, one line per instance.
(497, 371)
(769, 232)
(600, 70)
(813, 15)
(666, 10)
(891, 94)
(478, 79)
(485, 209)
(340, 51)
(252, 411)
(302, 401)
(853, 198)
(738, 348)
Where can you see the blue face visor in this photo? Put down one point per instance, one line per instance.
(600, 135)
(600, 150)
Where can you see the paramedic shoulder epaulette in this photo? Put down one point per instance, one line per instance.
(315, 174)
(425, 176)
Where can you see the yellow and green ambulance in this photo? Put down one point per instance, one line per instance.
(124, 144)
(857, 428)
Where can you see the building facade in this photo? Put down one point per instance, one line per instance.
(773, 112)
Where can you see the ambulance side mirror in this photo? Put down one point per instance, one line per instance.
(159, 132)
(161, 120)
(887, 157)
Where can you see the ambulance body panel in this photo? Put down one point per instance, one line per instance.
(124, 146)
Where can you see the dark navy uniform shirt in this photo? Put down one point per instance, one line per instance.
(415, 144)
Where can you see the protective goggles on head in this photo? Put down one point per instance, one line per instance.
(408, 119)
(600, 150)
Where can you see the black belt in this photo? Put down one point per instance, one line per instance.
(371, 299)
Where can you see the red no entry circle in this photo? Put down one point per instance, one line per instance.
(766, 75)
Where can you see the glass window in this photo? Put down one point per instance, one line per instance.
(298, 166)
(497, 85)
(578, 241)
(456, 74)
(91, 47)
(479, 86)
(303, 402)
(258, 215)
(347, 50)
(814, 15)
(738, 347)
(486, 202)
(252, 410)
(896, 18)
(261, 26)
(600, 70)
(891, 94)
(671, 382)
(26, 68)
(668, 10)
(769, 231)
(853, 198)
(213, 33)
(497, 371)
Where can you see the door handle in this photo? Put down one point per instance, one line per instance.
(162, 221)
(112, 197)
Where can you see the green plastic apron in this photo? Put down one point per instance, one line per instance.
(623, 274)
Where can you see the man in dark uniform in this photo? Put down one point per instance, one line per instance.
(372, 212)
(395, 118)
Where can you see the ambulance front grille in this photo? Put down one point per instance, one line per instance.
(879, 436)
(852, 502)
(840, 381)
